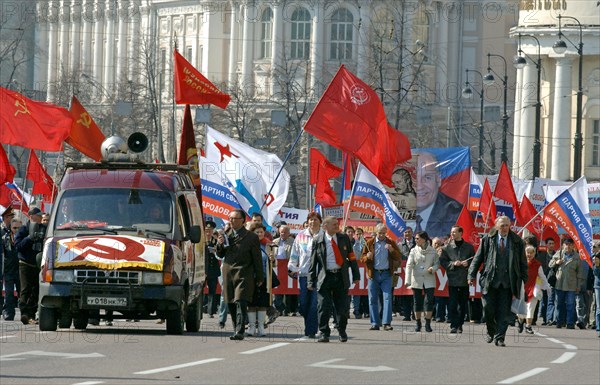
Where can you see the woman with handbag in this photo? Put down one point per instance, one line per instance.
(536, 282)
(257, 309)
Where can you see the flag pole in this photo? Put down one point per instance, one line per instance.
(347, 213)
(287, 157)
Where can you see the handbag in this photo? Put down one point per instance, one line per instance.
(518, 306)
(552, 277)
(274, 280)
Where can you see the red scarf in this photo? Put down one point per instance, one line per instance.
(532, 274)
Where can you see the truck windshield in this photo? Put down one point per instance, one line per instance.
(115, 208)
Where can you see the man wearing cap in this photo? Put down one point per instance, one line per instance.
(569, 278)
(29, 242)
(213, 270)
(7, 215)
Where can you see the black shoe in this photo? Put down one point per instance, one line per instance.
(460, 329)
(558, 326)
(500, 342)
(453, 331)
(25, 319)
(94, 321)
(570, 326)
(428, 328)
(311, 336)
(528, 330)
(323, 338)
(237, 337)
(343, 337)
(9, 318)
(553, 323)
(580, 325)
(358, 316)
(388, 327)
(406, 319)
(221, 325)
(374, 327)
(489, 339)
(418, 326)
(521, 325)
(544, 323)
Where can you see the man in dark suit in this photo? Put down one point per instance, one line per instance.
(502, 253)
(330, 259)
(242, 269)
(212, 266)
(436, 211)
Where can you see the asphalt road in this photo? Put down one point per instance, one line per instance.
(142, 353)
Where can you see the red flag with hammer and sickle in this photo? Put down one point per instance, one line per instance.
(85, 134)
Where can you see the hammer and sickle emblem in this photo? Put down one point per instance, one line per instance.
(85, 120)
(21, 107)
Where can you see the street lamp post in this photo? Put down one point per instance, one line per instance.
(520, 62)
(489, 79)
(560, 47)
(467, 92)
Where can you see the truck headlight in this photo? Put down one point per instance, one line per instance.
(152, 278)
(63, 276)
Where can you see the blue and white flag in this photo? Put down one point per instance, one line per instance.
(247, 172)
(369, 196)
(571, 211)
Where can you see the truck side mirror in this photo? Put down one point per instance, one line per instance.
(195, 234)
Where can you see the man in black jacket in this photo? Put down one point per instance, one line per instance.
(330, 259)
(455, 258)
(29, 241)
(505, 271)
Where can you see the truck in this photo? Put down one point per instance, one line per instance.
(125, 240)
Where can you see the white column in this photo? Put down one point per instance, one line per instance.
(363, 39)
(65, 24)
(561, 127)
(122, 15)
(276, 46)
(316, 55)
(527, 131)
(233, 43)
(517, 121)
(86, 54)
(98, 43)
(247, 41)
(52, 51)
(109, 50)
(440, 49)
(40, 76)
(75, 64)
(134, 42)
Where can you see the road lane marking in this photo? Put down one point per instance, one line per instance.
(7, 337)
(265, 348)
(17, 356)
(522, 376)
(570, 347)
(328, 365)
(566, 356)
(167, 368)
(555, 340)
(89, 383)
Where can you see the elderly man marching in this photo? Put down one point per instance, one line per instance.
(502, 253)
(382, 257)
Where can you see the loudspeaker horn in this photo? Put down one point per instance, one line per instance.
(137, 142)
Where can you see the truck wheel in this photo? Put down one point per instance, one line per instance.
(47, 319)
(194, 316)
(176, 318)
(80, 321)
(65, 320)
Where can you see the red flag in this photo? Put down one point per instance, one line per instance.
(487, 206)
(42, 183)
(188, 153)
(324, 194)
(31, 124)
(350, 116)
(7, 171)
(527, 211)
(85, 135)
(193, 88)
(319, 165)
(465, 220)
(505, 190)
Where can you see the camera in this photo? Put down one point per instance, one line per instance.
(37, 233)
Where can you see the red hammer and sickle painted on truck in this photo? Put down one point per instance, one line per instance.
(132, 250)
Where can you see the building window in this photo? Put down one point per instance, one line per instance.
(422, 28)
(266, 33)
(163, 68)
(596, 143)
(189, 54)
(300, 37)
(341, 35)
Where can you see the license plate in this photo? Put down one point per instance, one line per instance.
(107, 301)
